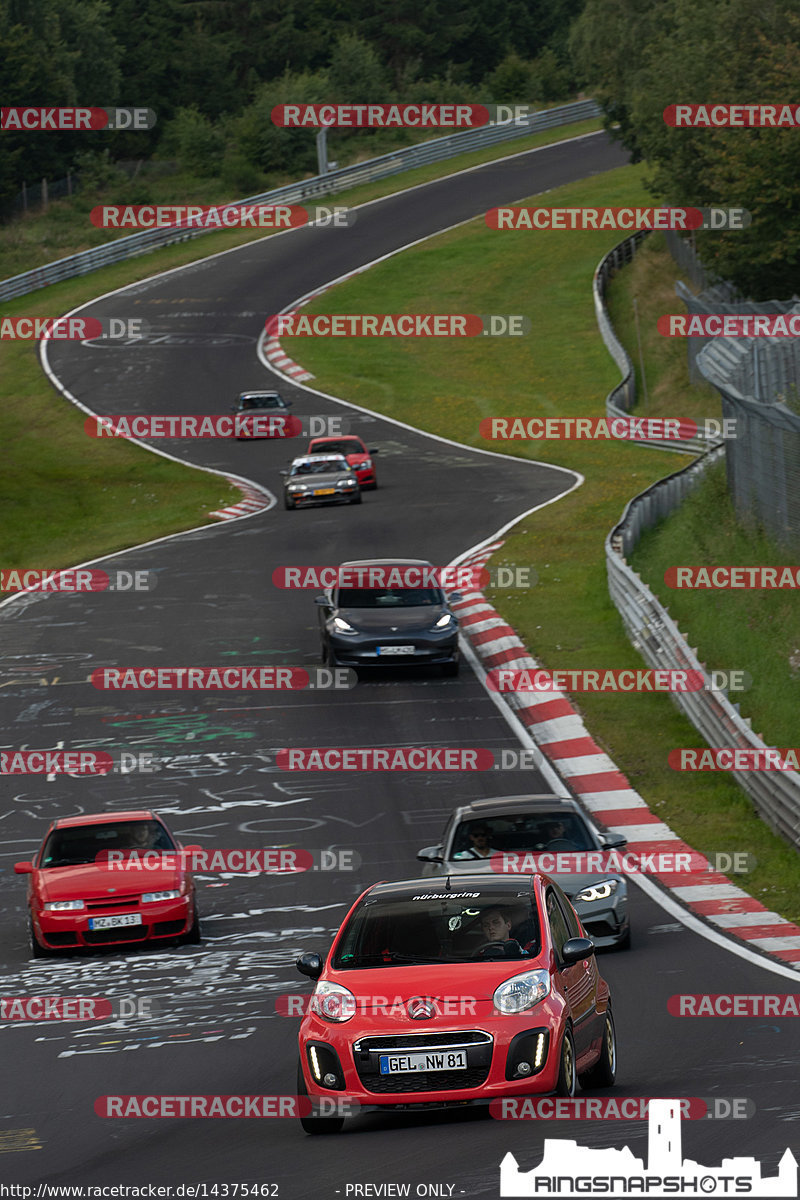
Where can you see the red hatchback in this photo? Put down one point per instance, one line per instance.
(109, 879)
(357, 455)
(450, 991)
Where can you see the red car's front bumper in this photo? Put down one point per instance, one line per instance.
(358, 1046)
(160, 920)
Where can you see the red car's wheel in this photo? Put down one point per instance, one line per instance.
(604, 1071)
(567, 1082)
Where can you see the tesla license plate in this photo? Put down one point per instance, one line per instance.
(437, 1060)
(396, 649)
(114, 922)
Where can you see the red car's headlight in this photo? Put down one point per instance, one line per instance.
(522, 991)
(64, 905)
(151, 897)
(333, 1002)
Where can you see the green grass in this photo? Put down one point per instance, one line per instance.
(41, 237)
(65, 497)
(560, 369)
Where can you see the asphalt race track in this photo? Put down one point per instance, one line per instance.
(213, 1025)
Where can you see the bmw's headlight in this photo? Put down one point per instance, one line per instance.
(598, 891)
(151, 897)
(342, 626)
(522, 991)
(445, 620)
(64, 905)
(333, 1002)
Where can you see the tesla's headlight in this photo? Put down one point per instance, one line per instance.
(151, 897)
(522, 991)
(333, 1002)
(598, 891)
(342, 626)
(64, 905)
(445, 620)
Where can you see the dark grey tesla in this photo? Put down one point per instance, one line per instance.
(388, 626)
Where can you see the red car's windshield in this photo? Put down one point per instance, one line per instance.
(83, 843)
(345, 446)
(446, 929)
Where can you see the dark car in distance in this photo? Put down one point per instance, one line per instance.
(387, 625)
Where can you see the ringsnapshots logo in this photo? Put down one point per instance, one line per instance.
(75, 120)
(570, 1170)
(223, 679)
(627, 219)
(399, 325)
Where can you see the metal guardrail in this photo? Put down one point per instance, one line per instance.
(435, 150)
(775, 794)
(622, 398)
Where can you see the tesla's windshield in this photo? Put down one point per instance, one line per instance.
(450, 928)
(389, 597)
(83, 843)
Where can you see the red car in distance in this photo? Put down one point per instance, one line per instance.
(81, 894)
(451, 991)
(357, 455)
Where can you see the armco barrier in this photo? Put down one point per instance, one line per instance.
(315, 188)
(622, 398)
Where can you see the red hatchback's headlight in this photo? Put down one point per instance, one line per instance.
(64, 906)
(521, 992)
(333, 1002)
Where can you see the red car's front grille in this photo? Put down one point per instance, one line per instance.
(113, 902)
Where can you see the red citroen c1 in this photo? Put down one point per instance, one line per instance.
(109, 879)
(456, 990)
